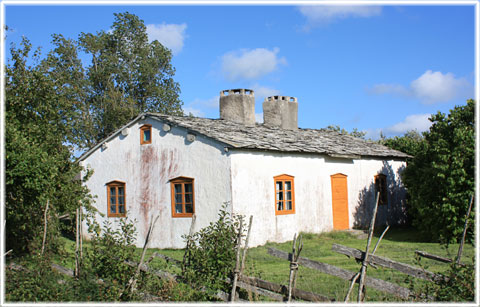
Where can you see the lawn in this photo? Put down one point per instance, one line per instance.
(399, 244)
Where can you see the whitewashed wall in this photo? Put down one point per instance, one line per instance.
(253, 191)
(146, 171)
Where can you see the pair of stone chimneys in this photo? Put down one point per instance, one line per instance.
(239, 106)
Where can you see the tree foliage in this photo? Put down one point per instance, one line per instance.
(211, 253)
(38, 161)
(441, 177)
(355, 132)
(127, 75)
(410, 143)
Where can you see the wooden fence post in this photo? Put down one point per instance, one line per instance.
(45, 226)
(294, 265)
(460, 248)
(363, 271)
(187, 247)
(245, 248)
(354, 279)
(237, 263)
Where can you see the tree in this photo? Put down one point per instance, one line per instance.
(127, 76)
(39, 168)
(355, 132)
(410, 143)
(441, 177)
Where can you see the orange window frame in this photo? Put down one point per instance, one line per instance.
(143, 129)
(183, 182)
(116, 185)
(381, 186)
(281, 204)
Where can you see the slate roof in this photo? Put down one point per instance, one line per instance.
(261, 137)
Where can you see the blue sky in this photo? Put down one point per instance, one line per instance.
(375, 68)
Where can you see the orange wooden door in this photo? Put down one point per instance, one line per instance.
(339, 201)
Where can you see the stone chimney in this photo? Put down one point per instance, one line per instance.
(281, 111)
(238, 106)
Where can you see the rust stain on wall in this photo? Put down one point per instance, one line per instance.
(148, 161)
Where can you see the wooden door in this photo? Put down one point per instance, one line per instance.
(339, 201)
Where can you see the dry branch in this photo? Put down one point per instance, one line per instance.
(433, 257)
(237, 263)
(460, 249)
(363, 270)
(45, 226)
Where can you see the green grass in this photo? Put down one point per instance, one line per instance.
(398, 244)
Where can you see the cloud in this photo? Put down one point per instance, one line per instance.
(417, 122)
(263, 91)
(324, 14)
(169, 35)
(195, 112)
(250, 64)
(259, 118)
(431, 87)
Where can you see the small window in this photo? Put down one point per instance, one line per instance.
(116, 199)
(284, 195)
(146, 134)
(183, 197)
(381, 186)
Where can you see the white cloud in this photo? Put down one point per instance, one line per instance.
(417, 122)
(259, 118)
(250, 64)
(262, 91)
(434, 87)
(208, 103)
(323, 14)
(431, 87)
(169, 35)
(195, 112)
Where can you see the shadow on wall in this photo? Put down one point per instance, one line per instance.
(394, 212)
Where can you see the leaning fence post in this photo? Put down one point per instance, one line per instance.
(354, 279)
(45, 226)
(187, 247)
(237, 263)
(294, 264)
(460, 249)
(365, 260)
(245, 248)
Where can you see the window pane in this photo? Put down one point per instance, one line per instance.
(280, 205)
(189, 208)
(146, 135)
(289, 195)
(289, 205)
(121, 209)
(279, 185)
(120, 200)
(113, 191)
(188, 188)
(279, 195)
(113, 200)
(113, 209)
(178, 188)
(120, 191)
(288, 185)
(188, 198)
(178, 208)
(178, 198)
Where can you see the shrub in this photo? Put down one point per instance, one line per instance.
(211, 255)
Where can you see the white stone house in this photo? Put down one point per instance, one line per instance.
(290, 179)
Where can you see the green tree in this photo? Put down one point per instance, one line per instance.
(441, 178)
(355, 132)
(39, 168)
(410, 143)
(127, 76)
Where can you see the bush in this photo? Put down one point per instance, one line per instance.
(440, 179)
(456, 285)
(211, 254)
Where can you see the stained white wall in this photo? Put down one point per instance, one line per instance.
(253, 191)
(147, 169)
